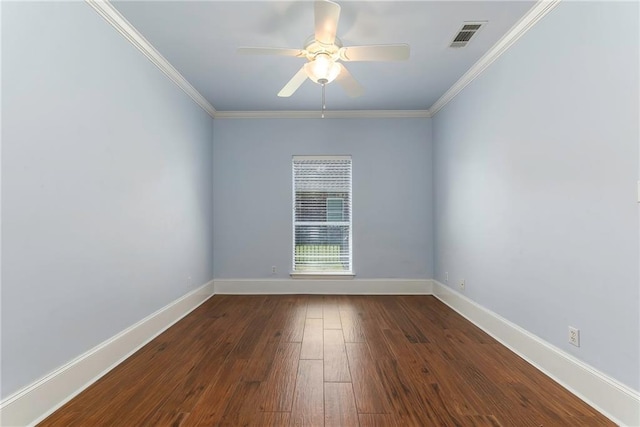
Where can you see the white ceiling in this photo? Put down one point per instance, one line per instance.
(200, 38)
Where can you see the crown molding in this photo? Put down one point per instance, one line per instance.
(535, 14)
(124, 27)
(328, 114)
(117, 21)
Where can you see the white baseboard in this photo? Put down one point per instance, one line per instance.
(322, 286)
(616, 401)
(40, 399)
(35, 402)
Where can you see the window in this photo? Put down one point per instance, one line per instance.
(322, 214)
(335, 209)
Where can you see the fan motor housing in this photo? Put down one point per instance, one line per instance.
(314, 47)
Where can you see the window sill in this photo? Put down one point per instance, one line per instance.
(322, 275)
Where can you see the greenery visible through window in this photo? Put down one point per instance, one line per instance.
(322, 214)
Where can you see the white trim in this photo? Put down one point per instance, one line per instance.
(614, 400)
(325, 287)
(40, 399)
(37, 401)
(333, 157)
(328, 114)
(117, 21)
(535, 14)
(333, 275)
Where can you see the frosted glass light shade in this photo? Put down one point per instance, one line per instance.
(322, 69)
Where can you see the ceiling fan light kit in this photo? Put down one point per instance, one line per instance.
(322, 69)
(323, 50)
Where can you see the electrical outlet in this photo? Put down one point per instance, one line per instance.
(574, 336)
(273, 269)
(446, 276)
(461, 285)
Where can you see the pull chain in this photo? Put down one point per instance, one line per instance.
(323, 104)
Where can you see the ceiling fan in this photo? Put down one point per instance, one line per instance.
(323, 50)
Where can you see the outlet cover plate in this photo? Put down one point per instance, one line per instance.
(574, 336)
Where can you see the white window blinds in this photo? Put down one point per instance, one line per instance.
(322, 214)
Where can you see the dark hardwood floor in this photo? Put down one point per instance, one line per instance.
(325, 360)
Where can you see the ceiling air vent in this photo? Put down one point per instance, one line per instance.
(468, 30)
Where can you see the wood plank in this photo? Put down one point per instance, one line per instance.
(314, 307)
(252, 337)
(367, 387)
(404, 351)
(377, 420)
(265, 346)
(278, 388)
(236, 360)
(405, 402)
(375, 310)
(431, 379)
(400, 320)
(167, 418)
(546, 409)
(373, 322)
(437, 369)
(336, 366)
(350, 320)
(312, 347)
(293, 329)
(427, 312)
(242, 408)
(154, 366)
(482, 421)
(213, 403)
(339, 405)
(272, 419)
(259, 364)
(65, 419)
(331, 313)
(160, 386)
(308, 401)
(190, 386)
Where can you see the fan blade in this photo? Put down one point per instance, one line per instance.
(327, 14)
(271, 51)
(348, 83)
(293, 85)
(384, 52)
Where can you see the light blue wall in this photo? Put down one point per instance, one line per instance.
(392, 212)
(536, 164)
(106, 187)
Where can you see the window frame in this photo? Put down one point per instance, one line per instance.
(321, 274)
